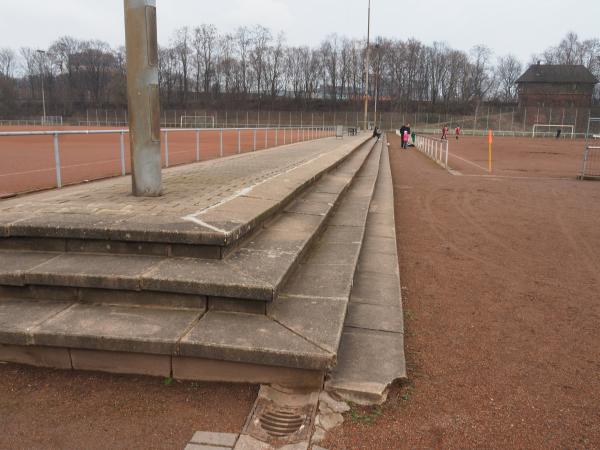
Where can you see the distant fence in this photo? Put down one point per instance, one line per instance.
(508, 119)
(505, 133)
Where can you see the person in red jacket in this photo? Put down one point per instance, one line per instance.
(457, 132)
(445, 132)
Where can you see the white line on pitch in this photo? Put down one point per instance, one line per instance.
(468, 162)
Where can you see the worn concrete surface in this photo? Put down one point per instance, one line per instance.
(251, 338)
(116, 328)
(371, 354)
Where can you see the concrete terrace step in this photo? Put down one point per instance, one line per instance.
(207, 207)
(371, 353)
(251, 275)
(296, 343)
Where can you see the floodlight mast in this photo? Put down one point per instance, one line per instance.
(143, 97)
(366, 119)
(42, 54)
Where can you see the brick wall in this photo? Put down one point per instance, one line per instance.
(563, 95)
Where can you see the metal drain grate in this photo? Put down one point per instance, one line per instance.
(271, 422)
(281, 422)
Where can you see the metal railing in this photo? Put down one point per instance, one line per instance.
(259, 136)
(435, 149)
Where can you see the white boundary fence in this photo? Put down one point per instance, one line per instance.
(435, 149)
(290, 135)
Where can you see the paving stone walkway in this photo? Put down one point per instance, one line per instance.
(187, 188)
(203, 440)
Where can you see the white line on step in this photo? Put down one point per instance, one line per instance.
(245, 191)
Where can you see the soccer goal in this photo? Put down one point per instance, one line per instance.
(590, 169)
(196, 121)
(545, 130)
(52, 120)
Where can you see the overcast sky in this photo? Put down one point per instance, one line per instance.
(521, 27)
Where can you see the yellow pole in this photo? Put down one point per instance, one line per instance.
(490, 140)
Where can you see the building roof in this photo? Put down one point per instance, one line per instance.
(547, 73)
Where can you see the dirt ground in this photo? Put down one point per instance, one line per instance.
(47, 409)
(518, 157)
(501, 282)
(28, 161)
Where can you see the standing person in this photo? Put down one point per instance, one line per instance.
(408, 131)
(445, 132)
(558, 133)
(377, 133)
(402, 130)
(405, 138)
(457, 132)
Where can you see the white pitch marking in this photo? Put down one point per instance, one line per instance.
(468, 162)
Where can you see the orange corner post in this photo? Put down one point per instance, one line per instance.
(490, 142)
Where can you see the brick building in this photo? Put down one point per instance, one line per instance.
(567, 86)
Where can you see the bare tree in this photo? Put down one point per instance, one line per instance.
(7, 62)
(243, 41)
(228, 65)
(274, 67)
(330, 50)
(293, 69)
(205, 42)
(508, 71)
(261, 40)
(167, 67)
(181, 45)
(481, 76)
(30, 67)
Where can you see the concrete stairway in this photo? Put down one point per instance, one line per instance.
(254, 288)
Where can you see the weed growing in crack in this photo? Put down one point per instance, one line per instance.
(366, 415)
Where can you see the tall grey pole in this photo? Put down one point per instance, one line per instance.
(143, 97)
(366, 119)
(42, 54)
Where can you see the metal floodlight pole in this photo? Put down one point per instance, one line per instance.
(376, 85)
(143, 97)
(42, 53)
(366, 118)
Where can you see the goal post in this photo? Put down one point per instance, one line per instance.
(51, 120)
(547, 130)
(590, 169)
(197, 121)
